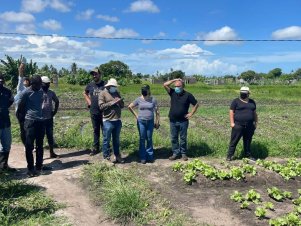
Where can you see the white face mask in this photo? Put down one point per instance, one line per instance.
(112, 89)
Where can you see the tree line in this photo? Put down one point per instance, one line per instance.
(124, 75)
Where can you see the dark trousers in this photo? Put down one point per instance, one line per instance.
(22, 132)
(176, 129)
(238, 131)
(96, 124)
(48, 123)
(34, 131)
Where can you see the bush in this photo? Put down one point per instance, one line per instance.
(83, 79)
(71, 79)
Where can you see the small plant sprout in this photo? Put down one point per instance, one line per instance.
(244, 205)
(253, 196)
(237, 196)
(268, 205)
(260, 212)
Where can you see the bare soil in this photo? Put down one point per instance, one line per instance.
(206, 201)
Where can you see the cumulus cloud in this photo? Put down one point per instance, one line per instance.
(34, 6)
(111, 32)
(26, 28)
(108, 18)
(293, 32)
(225, 33)
(17, 17)
(187, 50)
(85, 15)
(59, 6)
(51, 25)
(143, 6)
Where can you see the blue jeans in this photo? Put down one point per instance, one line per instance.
(111, 128)
(5, 138)
(146, 128)
(176, 129)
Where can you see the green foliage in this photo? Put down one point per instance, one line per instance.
(253, 196)
(237, 196)
(71, 79)
(244, 205)
(268, 205)
(289, 219)
(116, 69)
(276, 194)
(10, 70)
(260, 212)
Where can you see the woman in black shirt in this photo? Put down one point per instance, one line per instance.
(243, 121)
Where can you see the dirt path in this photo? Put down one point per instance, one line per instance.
(62, 184)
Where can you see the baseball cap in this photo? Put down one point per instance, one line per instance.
(244, 89)
(95, 70)
(45, 79)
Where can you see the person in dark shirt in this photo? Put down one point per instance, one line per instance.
(91, 93)
(30, 111)
(243, 121)
(6, 100)
(179, 116)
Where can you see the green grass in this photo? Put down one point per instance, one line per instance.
(128, 198)
(25, 204)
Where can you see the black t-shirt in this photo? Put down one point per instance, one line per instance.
(244, 113)
(93, 90)
(179, 105)
(6, 100)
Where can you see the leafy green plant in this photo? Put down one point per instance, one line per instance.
(253, 196)
(275, 193)
(190, 176)
(268, 205)
(237, 196)
(260, 212)
(178, 166)
(237, 173)
(244, 205)
(297, 201)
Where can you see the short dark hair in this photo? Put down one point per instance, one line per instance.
(27, 79)
(145, 86)
(36, 79)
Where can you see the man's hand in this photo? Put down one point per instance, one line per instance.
(21, 69)
(188, 116)
(232, 125)
(157, 125)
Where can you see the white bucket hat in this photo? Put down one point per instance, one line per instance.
(112, 82)
(45, 79)
(244, 89)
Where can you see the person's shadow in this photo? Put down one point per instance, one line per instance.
(258, 150)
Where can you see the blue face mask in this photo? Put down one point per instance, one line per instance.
(178, 90)
(112, 89)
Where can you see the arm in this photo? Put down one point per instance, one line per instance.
(87, 98)
(11, 99)
(56, 104)
(231, 115)
(190, 114)
(157, 119)
(103, 105)
(256, 119)
(21, 108)
(168, 83)
(131, 108)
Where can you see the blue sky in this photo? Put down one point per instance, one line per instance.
(168, 19)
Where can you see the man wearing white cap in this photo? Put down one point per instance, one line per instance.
(110, 103)
(243, 121)
(49, 96)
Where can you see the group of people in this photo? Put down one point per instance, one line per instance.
(35, 112)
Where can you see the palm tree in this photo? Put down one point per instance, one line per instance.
(10, 70)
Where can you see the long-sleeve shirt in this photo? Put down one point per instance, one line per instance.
(111, 111)
(6, 100)
(20, 89)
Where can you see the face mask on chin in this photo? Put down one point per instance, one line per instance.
(244, 95)
(178, 90)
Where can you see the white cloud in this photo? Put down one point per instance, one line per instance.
(85, 15)
(110, 32)
(15, 17)
(34, 6)
(26, 28)
(293, 32)
(143, 6)
(108, 18)
(59, 6)
(51, 25)
(225, 33)
(187, 50)
(161, 34)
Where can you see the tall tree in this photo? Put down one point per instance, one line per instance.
(275, 73)
(249, 76)
(116, 69)
(73, 68)
(10, 70)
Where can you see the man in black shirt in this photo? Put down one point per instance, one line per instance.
(243, 121)
(6, 100)
(91, 93)
(179, 116)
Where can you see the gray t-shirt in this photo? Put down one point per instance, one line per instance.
(146, 108)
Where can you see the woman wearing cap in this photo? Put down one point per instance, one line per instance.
(147, 105)
(110, 104)
(243, 121)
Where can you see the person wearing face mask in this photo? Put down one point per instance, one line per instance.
(243, 121)
(6, 100)
(49, 96)
(30, 111)
(180, 101)
(146, 122)
(111, 103)
(91, 94)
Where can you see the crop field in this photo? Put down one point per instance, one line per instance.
(207, 190)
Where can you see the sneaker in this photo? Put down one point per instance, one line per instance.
(32, 173)
(184, 157)
(118, 159)
(143, 161)
(173, 157)
(94, 152)
(9, 169)
(229, 158)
